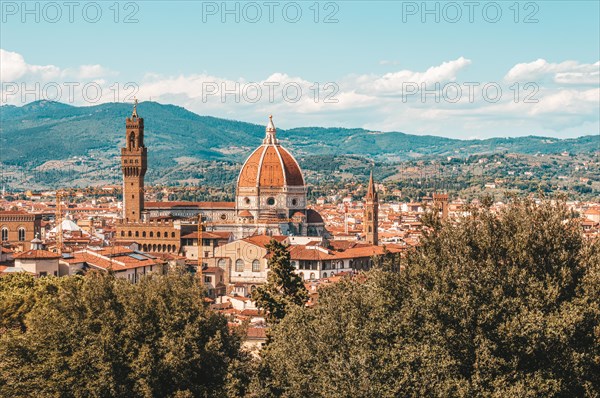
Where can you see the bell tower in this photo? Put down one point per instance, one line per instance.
(133, 164)
(371, 218)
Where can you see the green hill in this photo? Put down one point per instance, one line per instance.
(43, 131)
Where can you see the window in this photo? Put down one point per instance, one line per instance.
(294, 202)
(172, 234)
(324, 274)
(255, 266)
(223, 216)
(293, 264)
(221, 263)
(129, 233)
(151, 234)
(312, 276)
(247, 201)
(301, 275)
(4, 234)
(43, 273)
(158, 234)
(137, 234)
(239, 265)
(143, 234)
(21, 234)
(271, 201)
(207, 279)
(122, 233)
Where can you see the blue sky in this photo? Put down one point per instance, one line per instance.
(376, 59)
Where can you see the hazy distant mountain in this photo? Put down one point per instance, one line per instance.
(41, 131)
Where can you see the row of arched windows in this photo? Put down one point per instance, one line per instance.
(239, 265)
(164, 248)
(150, 234)
(20, 234)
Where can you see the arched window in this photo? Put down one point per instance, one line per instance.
(129, 233)
(312, 276)
(4, 234)
(370, 229)
(21, 234)
(158, 234)
(153, 248)
(221, 263)
(164, 247)
(169, 248)
(143, 234)
(301, 275)
(132, 140)
(370, 216)
(122, 233)
(239, 265)
(324, 274)
(172, 234)
(137, 234)
(255, 266)
(151, 234)
(144, 248)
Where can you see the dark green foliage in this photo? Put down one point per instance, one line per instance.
(503, 305)
(101, 336)
(284, 288)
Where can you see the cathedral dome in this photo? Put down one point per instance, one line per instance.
(270, 165)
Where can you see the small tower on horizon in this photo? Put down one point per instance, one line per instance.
(371, 218)
(441, 202)
(134, 165)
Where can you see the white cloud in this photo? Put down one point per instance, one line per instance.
(567, 72)
(13, 67)
(393, 83)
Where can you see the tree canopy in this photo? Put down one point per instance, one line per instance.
(496, 305)
(284, 288)
(102, 336)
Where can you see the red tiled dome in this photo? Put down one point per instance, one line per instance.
(270, 165)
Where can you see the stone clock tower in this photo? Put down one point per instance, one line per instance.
(134, 164)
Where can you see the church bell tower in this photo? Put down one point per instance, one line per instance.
(371, 218)
(133, 164)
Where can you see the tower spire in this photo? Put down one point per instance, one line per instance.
(271, 131)
(371, 192)
(371, 215)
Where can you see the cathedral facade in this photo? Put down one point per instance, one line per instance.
(270, 199)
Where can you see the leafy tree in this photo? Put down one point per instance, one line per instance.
(284, 288)
(101, 336)
(500, 304)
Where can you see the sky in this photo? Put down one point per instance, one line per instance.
(464, 69)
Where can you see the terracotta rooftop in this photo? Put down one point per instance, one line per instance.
(37, 255)
(263, 240)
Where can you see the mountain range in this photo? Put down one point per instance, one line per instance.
(43, 131)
